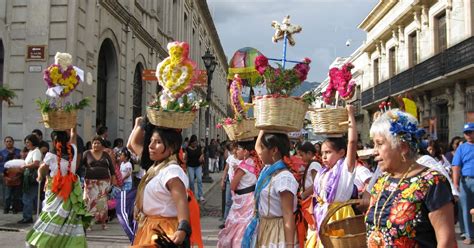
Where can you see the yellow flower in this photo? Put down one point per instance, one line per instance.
(409, 191)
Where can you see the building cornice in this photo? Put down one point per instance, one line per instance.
(206, 14)
(122, 14)
(377, 13)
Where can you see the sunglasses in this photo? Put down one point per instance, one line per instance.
(468, 132)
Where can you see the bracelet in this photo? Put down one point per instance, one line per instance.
(185, 227)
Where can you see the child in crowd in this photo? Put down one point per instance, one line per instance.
(242, 186)
(334, 184)
(273, 224)
(126, 169)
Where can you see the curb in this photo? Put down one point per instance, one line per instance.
(213, 185)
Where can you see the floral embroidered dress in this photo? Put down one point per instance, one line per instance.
(404, 221)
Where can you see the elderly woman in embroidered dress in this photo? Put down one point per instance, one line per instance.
(161, 199)
(411, 205)
(64, 215)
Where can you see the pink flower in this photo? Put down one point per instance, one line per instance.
(219, 125)
(261, 64)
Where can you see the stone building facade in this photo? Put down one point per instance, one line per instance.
(114, 42)
(422, 49)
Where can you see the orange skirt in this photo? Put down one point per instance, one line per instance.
(144, 236)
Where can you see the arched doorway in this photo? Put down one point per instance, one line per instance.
(138, 93)
(107, 89)
(1, 82)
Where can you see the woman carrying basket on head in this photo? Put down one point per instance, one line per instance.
(64, 215)
(161, 200)
(273, 224)
(334, 184)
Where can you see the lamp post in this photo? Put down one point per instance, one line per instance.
(210, 64)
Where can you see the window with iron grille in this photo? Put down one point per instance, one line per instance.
(412, 49)
(443, 123)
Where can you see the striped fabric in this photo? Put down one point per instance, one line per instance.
(61, 224)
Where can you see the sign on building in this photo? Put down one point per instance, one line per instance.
(36, 53)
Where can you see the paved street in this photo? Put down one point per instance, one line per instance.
(12, 234)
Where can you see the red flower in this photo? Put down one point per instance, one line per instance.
(261, 64)
(404, 242)
(402, 212)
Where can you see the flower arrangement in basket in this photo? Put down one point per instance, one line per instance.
(278, 111)
(174, 106)
(240, 127)
(61, 78)
(332, 119)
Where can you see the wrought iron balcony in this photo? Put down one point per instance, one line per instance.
(452, 59)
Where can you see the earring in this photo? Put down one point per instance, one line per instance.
(403, 158)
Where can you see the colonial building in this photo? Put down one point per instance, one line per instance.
(113, 42)
(422, 49)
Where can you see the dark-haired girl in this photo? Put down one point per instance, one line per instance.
(243, 187)
(273, 224)
(63, 217)
(335, 183)
(126, 168)
(161, 199)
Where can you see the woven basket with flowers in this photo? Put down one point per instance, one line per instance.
(332, 119)
(175, 106)
(278, 111)
(239, 128)
(57, 110)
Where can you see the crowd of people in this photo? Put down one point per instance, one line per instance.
(277, 194)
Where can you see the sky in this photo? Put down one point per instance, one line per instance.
(327, 25)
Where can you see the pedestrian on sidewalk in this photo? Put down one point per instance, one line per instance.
(463, 178)
(243, 187)
(64, 216)
(161, 199)
(194, 158)
(11, 178)
(30, 185)
(99, 177)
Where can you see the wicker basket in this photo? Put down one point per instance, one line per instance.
(243, 130)
(171, 119)
(279, 113)
(60, 120)
(354, 230)
(328, 121)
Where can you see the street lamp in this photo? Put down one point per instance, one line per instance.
(210, 64)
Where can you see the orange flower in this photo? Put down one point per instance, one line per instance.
(402, 212)
(404, 242)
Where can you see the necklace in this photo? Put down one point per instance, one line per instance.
(376, 235)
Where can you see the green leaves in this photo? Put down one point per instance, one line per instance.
(47, 105)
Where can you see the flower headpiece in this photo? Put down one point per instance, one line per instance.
(406, 130)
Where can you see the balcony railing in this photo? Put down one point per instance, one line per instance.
(453, 58)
